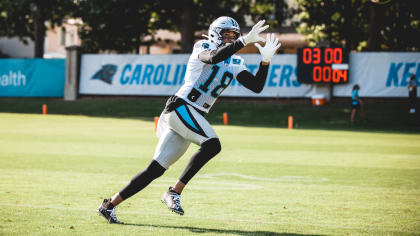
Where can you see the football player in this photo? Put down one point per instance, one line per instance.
(210, 69)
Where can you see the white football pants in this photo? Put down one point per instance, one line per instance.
(176, 130)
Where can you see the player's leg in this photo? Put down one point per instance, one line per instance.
(208, 149)
(137, 183)
(353, 114)
(199, 132)
(363, 113)
(171, 146)
(194, 127)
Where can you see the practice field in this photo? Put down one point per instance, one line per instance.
(56, 169)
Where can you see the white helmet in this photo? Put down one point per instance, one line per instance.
(220, 24)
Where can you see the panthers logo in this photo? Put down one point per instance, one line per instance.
(106, 73)
(234, 24)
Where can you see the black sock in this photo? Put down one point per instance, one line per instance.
(110, 206)
(173, 191)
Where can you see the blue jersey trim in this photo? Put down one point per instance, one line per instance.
(182, 110)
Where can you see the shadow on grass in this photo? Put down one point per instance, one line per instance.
(218, 231)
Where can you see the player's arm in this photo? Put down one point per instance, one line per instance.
(220, 54)
(256, 83)
(223, 53)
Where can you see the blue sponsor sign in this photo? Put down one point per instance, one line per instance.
(152, 74)
(165, 74)
(379, 74)
(32, 77)
(279, 75)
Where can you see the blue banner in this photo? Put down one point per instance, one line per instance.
(163, 75)
(32, 77)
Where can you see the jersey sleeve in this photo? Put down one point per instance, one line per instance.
(201, 46)
(238, 64)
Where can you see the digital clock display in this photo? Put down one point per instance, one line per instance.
(323, 65)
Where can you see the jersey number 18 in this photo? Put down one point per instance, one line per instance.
(222, 86)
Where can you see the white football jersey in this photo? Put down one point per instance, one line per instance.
(203, 82)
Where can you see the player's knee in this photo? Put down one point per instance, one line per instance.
(155, 170)
(212, 146)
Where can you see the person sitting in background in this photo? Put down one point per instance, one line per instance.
(356, 104)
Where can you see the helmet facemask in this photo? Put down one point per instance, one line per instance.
(229, 35)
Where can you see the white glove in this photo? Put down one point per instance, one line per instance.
(253, 35)
(270, 48)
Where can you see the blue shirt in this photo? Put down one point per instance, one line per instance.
(355, 97)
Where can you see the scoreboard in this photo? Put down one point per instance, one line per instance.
(322, 65)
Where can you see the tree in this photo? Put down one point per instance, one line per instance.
(397, 26)
(122, 25)
(27, 19)
(360, 24)
(116, 25)
(190, 16)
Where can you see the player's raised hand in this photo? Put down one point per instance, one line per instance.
(253, 35)
(271, 45)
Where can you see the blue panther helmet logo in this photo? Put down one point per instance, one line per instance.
(106, 73)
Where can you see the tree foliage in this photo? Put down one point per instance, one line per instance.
(26, 19)
(189, 16)
(116, 25)
(361, 25)
(122, 25)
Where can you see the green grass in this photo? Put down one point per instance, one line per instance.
(56, 169)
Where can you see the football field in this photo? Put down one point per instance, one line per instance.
(56, 169)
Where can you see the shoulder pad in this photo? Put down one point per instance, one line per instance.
(204, 44)
(237, 60)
